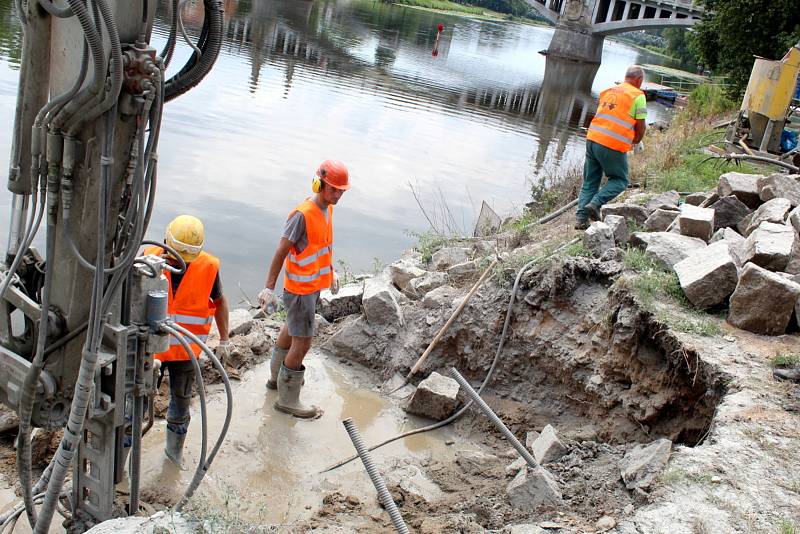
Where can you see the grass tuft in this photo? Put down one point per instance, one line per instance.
(787, 527)
(428, 242)
(785, 360)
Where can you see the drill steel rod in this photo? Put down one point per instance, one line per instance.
(493, 418)
(377, 480)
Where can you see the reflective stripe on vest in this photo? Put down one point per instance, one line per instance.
(311, 270)
(190, 319)
(612, 125)
(175, 341)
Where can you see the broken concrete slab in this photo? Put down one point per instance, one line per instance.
(547, 447)
(708, 276)
(448, 256)
(464, 271)
(728, 212)
(642, 464)
(439, 297)
(770, 246)
(619, 227)
(631, 212)
(696, 222)
(435, 397)
(763, 301)
(346, 302)
(743, 186)
(667, 249)
(664, 201)
(532, 488)
(780, 185)
(598, 238)
(380, 303)
(660, 219)
(774, 211)
(403, 271)
(422, 285)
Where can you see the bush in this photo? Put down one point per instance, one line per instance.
(707, 100)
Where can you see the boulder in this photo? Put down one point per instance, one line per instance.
(780, 185)
(463, 271)
(619, 227)
(728, 212)
(660, 219)
(639, 239)
(696, 222)
(441, 296)
(708, 276)
(598, 238)
(774, 211)
(422, 285)
(532, 488)
(435, 397)
(743, 186)
(631, 212)
(763, 301)
(664, 201)
(547, 447)
(695, 199)
(667, 248)
(794, 219)
(642, 464)
(403, 271)
(770, 246)
(346, 302)
(380, 303)
(446, 257)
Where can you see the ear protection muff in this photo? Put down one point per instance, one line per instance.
(316, 183)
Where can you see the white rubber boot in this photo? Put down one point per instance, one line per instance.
(278, 355)
(289, 384)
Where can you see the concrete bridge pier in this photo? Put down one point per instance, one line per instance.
(571, 43)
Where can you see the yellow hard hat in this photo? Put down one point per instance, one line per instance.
(186, 235)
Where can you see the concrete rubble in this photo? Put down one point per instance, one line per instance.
(708, 276)
(642, 464)
(598, 238)
(532, 488)
(164, 522)
(436, 397)
(548, 447)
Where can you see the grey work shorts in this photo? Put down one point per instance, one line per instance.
(301, 313)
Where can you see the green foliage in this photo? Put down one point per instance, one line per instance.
(785, 360)
(787, 527)
(708, 100)
(680, 45)
(428, 242)
(577, 249)
(441, 5)
(695, 172)
(733, 31)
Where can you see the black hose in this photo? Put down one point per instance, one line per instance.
(54, 10)
(169, 48)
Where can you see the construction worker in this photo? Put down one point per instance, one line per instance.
(618, 125)
(194, 298)
(305, 251)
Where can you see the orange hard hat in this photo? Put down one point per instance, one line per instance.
(334, 173)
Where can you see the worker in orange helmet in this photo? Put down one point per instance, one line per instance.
(305, 252)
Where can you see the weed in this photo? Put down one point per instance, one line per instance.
(785, 360)
(635, 259)
(428, 242)
(787, 527)
(577, 249)
(554, 187)
(377, 265)
(707, 100)
(345, 272)
(793, 485)
(690, 322)
(676, 475)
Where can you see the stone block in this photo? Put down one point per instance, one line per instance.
(403, 271)
(532, 488)
(763, 301)
(422, 285)
(619, 227)
(708, 276)
(774, 211)
(439, 297)
(794, 219)
(695, 199)
(631, 212)
(713, 197)
(446, 257)
(380, 303)
(770, 246)
(463, 271)
(667, 248)
(743, 186)
(598, 238)
(734, 241)
(547, 447)
(435, 397)
(660, 219)
(696, 222)
(664, 201)
(639, 239)
(780, 185)
(346, 302)
(728, 212)
(642, 464)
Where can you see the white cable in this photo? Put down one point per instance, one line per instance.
(183, 31)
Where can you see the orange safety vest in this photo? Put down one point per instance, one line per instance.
(612, 125)
(191, 306)
(311, 270)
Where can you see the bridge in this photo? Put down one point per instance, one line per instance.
(581, 25)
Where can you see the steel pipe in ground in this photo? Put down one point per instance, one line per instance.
(377, 480)
(493, 418)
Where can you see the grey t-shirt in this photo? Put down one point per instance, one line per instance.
(295, 230)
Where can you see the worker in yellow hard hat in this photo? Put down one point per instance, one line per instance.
(195, 298)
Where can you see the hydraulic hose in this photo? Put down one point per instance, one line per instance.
(169, 48)
(54, 10)
(26, 243)
(489, 374)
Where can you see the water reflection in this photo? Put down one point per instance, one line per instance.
(299, 81)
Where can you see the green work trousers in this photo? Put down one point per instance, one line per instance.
(600, 160)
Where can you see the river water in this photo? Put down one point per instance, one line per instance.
(300, 81)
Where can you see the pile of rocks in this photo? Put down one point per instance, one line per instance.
(737, 245)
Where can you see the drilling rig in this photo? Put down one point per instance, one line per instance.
(80, 323)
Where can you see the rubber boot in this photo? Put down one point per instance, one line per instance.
(289, 384)
(592, 211)
(278, 355)
(792, 375)
(174, 447)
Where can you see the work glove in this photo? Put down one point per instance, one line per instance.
(335, 283)
(267, 300)
(223, 351)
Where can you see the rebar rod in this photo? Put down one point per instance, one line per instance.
(377, 480)
(493, 418)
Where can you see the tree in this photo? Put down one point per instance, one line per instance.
(733, 31)
(680, 43)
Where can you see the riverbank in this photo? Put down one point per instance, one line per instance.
(447, 7)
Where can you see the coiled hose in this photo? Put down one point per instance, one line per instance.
(489, 375)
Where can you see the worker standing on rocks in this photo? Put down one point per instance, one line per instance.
(618, 125)
(195, 298)
(305, 252)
